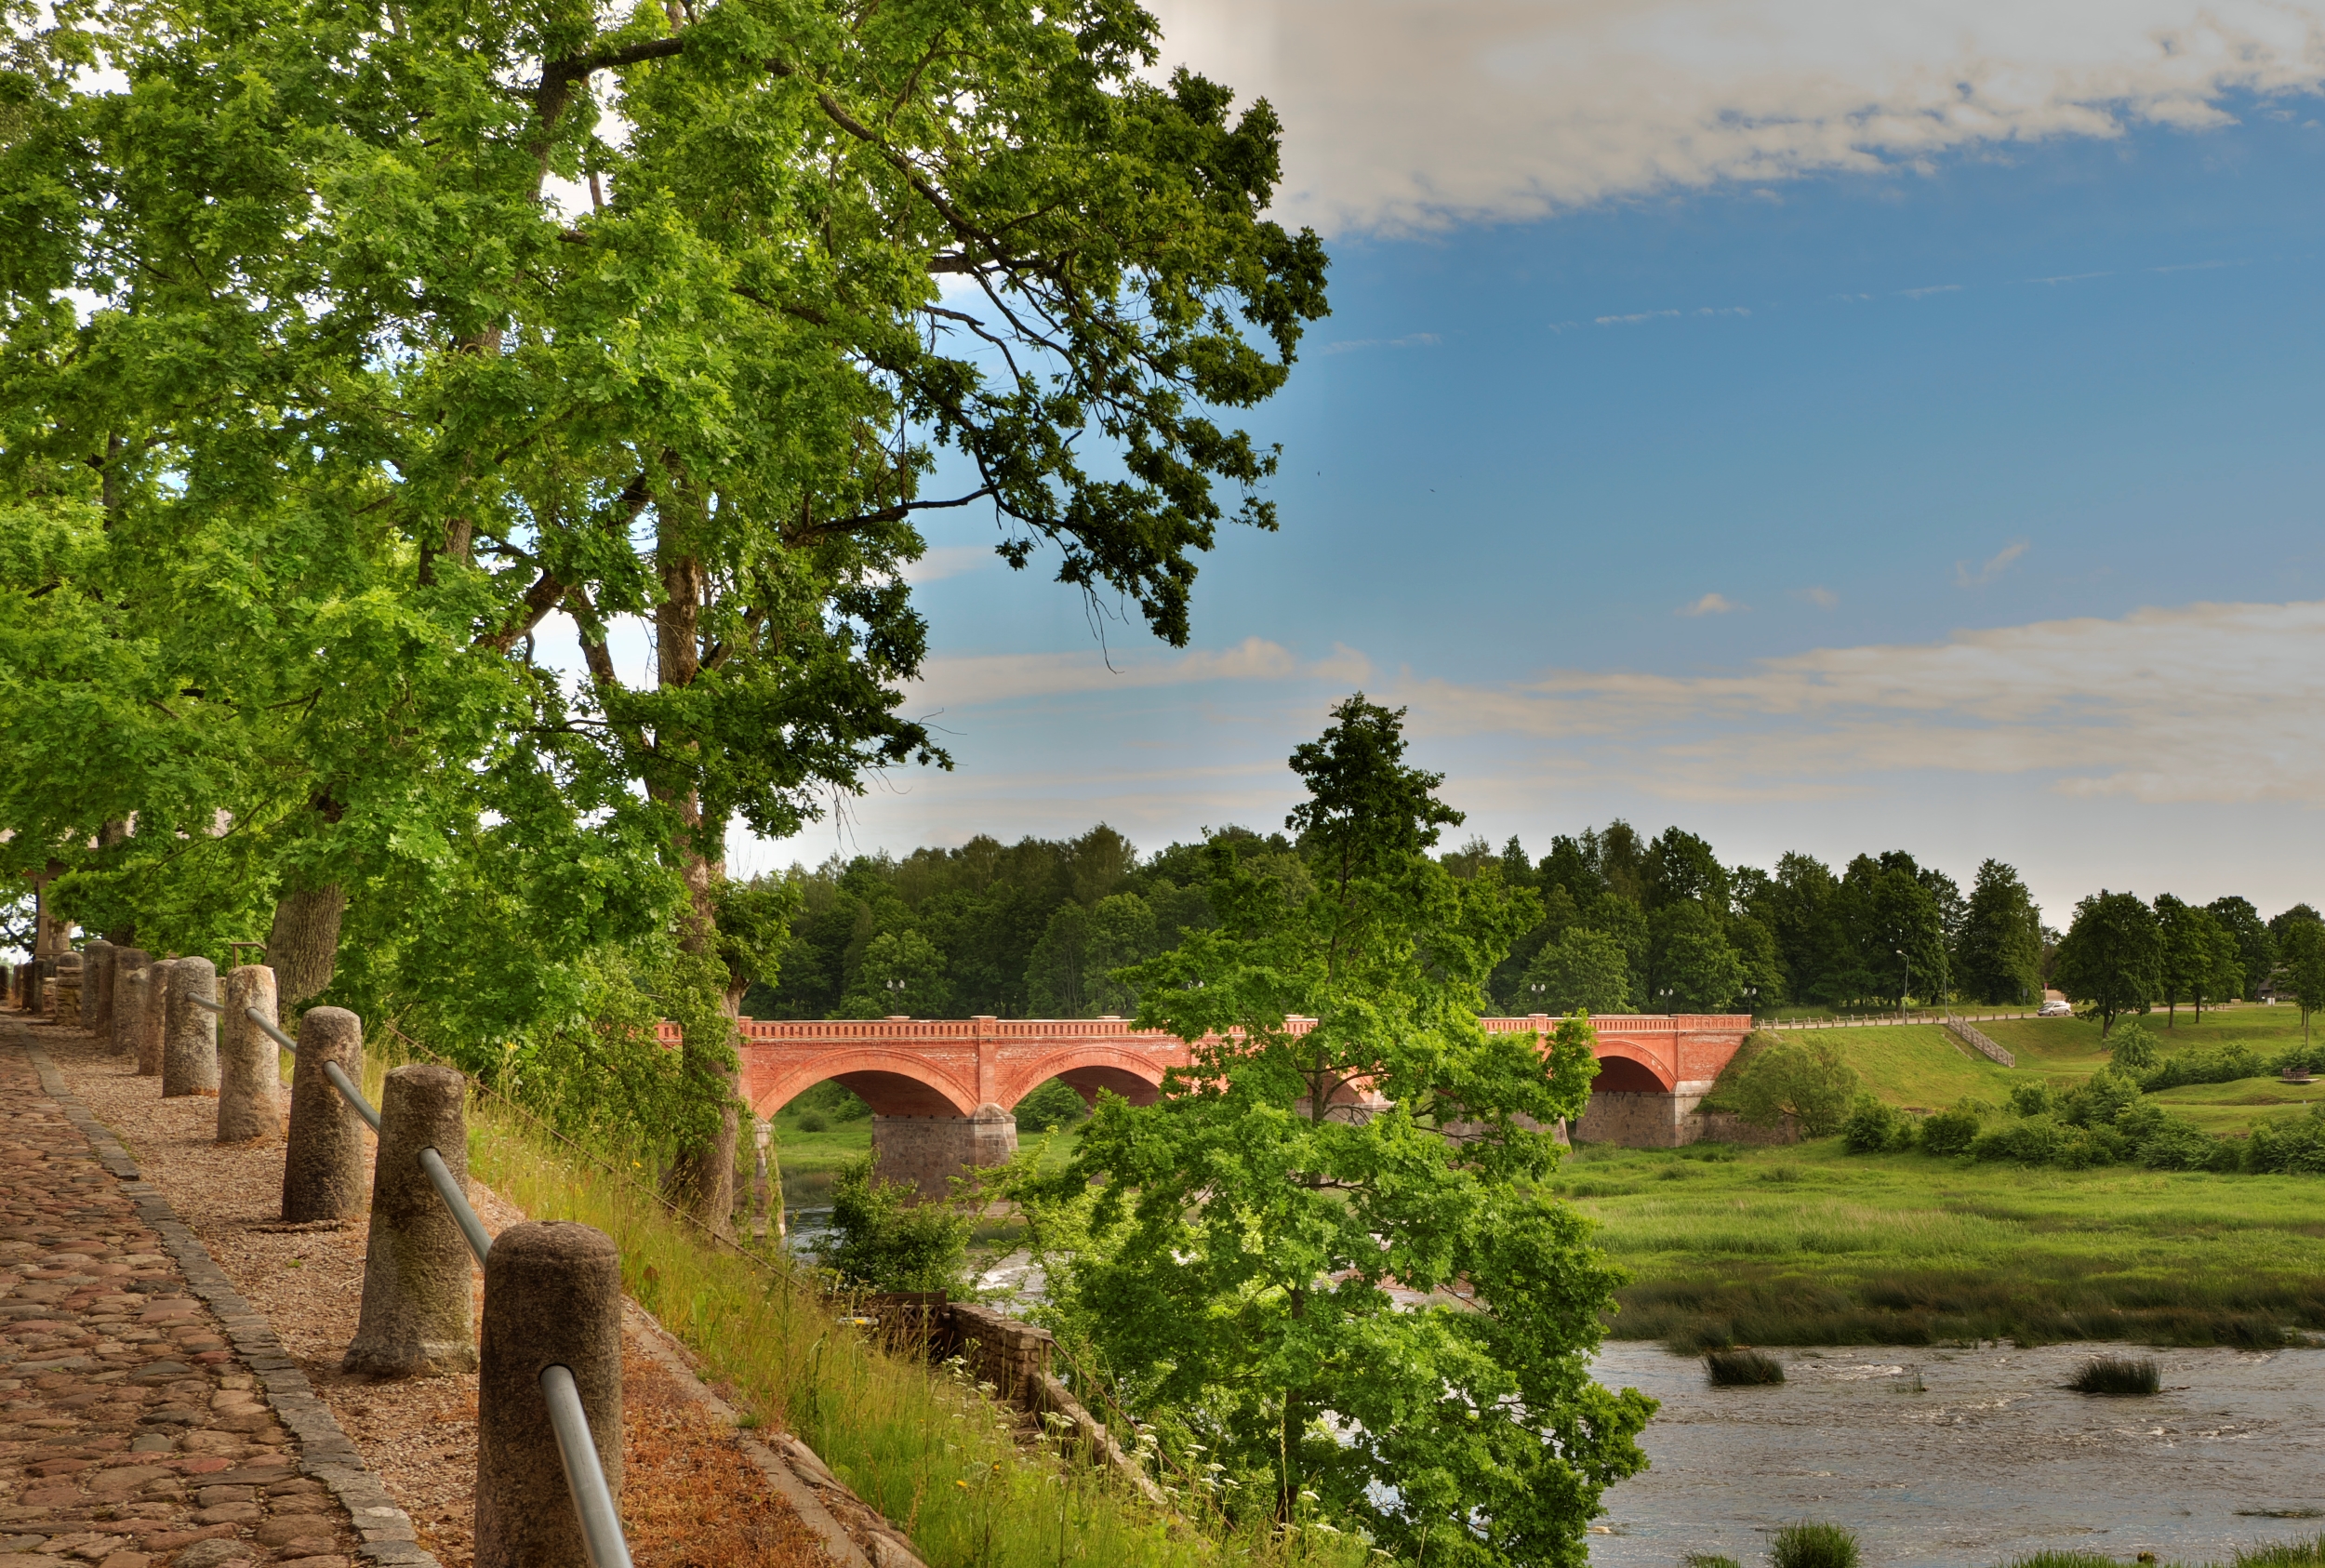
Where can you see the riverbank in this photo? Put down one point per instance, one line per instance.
(1808, 1245)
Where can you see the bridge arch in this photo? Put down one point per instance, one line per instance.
(892, 1083)
(1086, 1069)
(1625, 1069)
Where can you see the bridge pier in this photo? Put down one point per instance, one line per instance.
(929, 1151)
(1651, 1120)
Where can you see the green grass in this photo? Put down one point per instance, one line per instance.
(1808, 1245)
(2118, 1377)
(2271, 1554)
(1921, 1066)
(1808, 1544)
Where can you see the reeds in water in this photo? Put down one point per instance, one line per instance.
(1742, 1369)
(1808, 1545)
(2124, 1376)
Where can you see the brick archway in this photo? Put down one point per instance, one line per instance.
(1135, 1075)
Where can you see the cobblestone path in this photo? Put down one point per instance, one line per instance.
(147, 1417)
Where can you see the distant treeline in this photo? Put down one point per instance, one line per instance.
(1034, 929)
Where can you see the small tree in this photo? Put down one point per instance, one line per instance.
(1346, 1130)
(2303, 948)
(1811, 1083)
(1693, 958)
(2111, 958)
(881, 1240)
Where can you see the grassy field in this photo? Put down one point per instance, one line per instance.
(1810, 1246)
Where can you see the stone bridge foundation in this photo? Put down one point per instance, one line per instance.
(1640, 1120)
(926, 1152)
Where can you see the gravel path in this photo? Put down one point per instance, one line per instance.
(144, 1418)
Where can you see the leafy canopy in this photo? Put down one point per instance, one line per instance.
(1323, 1253)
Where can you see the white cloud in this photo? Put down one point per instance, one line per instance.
(1995, 564)
(1410, 341)
(1823, 598)
(2206, 702)
(949, 561)
(1709, 604)
(950, 683)
(1413, 113)
(1933, 288)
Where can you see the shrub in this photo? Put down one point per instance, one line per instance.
(2035, 1099)
(881, 1240)
(811, 1122)
(2294, 1147)
(2173, 1143)
(2100, 1098)
(1952, 1132)
(2221, 1064)
(2122, 1376)
(1053, 1104)
(1876, 1127)
(2135, 1048)
(1814, 1545)
(1742, 1369)
(2033, 1140)
(1811, 1083)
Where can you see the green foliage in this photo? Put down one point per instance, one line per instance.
(1877, 1127)
(880, 1239)
(902, 973)
(1693, 968)
(1052, 1105)
(1584, 971)
(1999, 961)
(2219, 1064)
(2291, 1148)
(2035, 1099)
(1243, 1234)
(2111, 959)
(2302, 947)
(1812, 1545)
(2135, 1049)
(1953, 1130)
(1809, 1081)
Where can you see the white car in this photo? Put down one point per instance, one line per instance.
(2056, 1010)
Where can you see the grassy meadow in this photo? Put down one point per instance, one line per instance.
(1810, 1246)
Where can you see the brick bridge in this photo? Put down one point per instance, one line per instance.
(942, 1090)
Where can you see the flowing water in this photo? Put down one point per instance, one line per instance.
(1969, 1457)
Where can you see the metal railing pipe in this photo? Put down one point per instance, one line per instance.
(440, 1176)
(593, 1500)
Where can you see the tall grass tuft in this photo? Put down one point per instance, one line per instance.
(2283, 1554)
(1708, 1560)
(1808, 1545)
(1742, 1369)
(2120, 1375)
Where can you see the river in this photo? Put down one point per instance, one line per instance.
(1969, 1457)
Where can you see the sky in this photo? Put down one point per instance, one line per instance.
(1824, 427)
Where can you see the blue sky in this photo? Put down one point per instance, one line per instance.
(1822, 432)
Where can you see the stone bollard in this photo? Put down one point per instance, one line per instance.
(553, 1297)
(69, 966)
(153, 1017)
(189, 1056)
(129, 968)
(249, 1069)
(96, 988)
(418, 1295)
(322, 1169)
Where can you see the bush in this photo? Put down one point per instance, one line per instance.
(2221, 1064)
(2135, 1048)
(2100, 1098)
(881, 1240)
(1053, 1104)
(2119, 1376)
(2035, 1099)
(2033, 1140)
(1814, 1545)
(1811, 1082)
(811, 1122)
(2173, 1143)
(1876, 1127)
(1742, 1369)
(1952, 1132)
(2288, 1148)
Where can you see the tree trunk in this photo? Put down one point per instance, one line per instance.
(303, 947)
(702, 1177)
